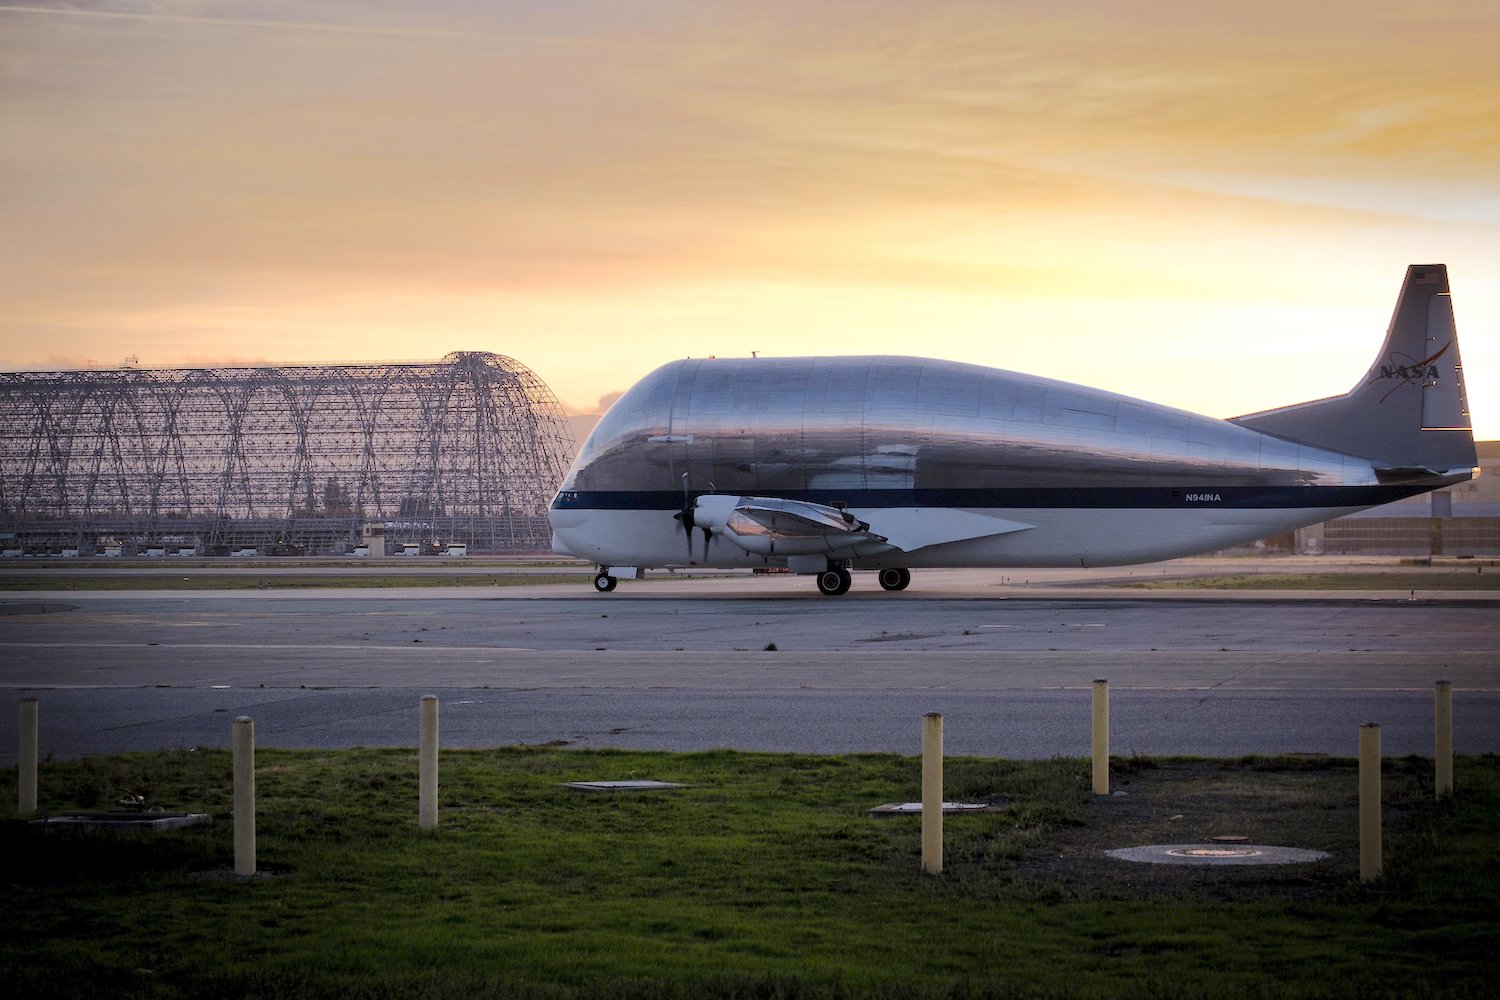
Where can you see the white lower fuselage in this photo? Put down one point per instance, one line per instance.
(1058, 537)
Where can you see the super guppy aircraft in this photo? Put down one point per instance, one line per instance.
(831, 464)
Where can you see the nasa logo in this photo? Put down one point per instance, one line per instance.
(1408, 369)
(1408, 373)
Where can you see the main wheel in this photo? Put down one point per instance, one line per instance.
(895, 579)
(833, 582)
(604, 583)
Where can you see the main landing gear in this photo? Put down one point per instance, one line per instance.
(895, 579)
(834, 581)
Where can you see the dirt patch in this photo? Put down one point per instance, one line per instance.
(1310, 803)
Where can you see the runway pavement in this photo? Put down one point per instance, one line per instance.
(687, 664)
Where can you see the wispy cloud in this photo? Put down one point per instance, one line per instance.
(351, 179)
(348, 27)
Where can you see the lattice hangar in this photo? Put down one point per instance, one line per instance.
(463, 452)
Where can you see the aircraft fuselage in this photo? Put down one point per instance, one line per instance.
(1096, 478)
(826, 464)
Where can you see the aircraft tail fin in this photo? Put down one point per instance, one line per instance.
(1409, 413)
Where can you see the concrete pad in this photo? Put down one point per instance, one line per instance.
(623, 786)
(132, 822)
(1217, 855)
(915, 808)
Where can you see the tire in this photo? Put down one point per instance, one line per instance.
(604, 583)
(833, 582)
(895, 579)
(846, 580)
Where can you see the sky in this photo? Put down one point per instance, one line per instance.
(1208, 205)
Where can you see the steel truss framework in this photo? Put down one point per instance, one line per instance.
(468, 449)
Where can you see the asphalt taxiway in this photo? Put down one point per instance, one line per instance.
(752, 663)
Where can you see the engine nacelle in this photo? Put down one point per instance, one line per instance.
(771, 526)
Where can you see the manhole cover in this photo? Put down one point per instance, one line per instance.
(1216, 854)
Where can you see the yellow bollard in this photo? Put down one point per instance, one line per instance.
(244, 796)
(427, 766)
(26, 778)
(1369, 802)
(1101, 737)
(932, 793)
(1442, 752)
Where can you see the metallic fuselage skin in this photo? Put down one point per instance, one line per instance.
(1097, 478)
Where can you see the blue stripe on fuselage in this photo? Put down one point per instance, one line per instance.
(1066, 498)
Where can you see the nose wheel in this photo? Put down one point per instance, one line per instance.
(833, 582)
(604, 583)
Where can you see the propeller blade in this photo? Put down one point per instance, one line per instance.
(686, 516)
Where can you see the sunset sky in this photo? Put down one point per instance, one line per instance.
(1209, 205)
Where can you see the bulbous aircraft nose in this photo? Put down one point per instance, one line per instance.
(566, 528)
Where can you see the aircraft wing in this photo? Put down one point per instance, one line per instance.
(912, 528)
(779, 526)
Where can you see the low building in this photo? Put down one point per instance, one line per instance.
(1462, 520)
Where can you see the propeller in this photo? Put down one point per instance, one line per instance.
(689, 522)
(685, 515)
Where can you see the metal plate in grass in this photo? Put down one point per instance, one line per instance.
(623, 786)
(915, 808)
(136, 822)
(1217, 854)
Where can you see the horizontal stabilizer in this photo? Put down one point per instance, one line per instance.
(912, 528)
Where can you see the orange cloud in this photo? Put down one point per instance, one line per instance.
(596, 190)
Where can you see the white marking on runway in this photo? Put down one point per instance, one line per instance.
(424, 647)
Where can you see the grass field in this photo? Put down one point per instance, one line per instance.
(764, 879)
